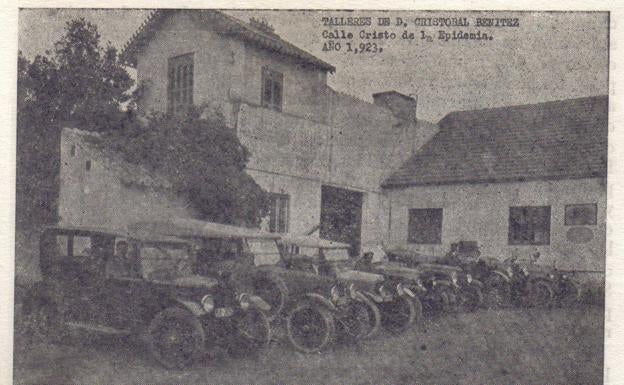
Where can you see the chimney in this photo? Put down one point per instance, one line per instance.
(402, 106)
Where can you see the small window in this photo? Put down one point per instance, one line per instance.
(272, 87)
(81, 246)
(581, 214)
(61, 246)
(88, 165)
(180, 83)
(425, 226)
(72, 150)
(279, 215)
(529, 225)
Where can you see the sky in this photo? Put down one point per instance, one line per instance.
(550, 56)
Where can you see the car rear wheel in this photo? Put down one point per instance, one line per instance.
(398, 315)
(497, 292)
(310, 328)
(253, 332)
(571, 294)
(176, 338)
(541, 294)
(353, 321)
(273, 291)
(42, 321)
(471, 297)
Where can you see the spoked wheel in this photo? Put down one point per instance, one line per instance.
(176, 338)
(374, 317)
(42, 322)
(310, 328)
(398, 315)
(273, 292)
(571, 294)
(497, 293)
(253, 332)
(541, 294)
(352, 321)
(471, 297)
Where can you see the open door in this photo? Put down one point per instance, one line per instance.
(341, 216)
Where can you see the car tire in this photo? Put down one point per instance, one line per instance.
(471, 297)
(176, 338)
(398, 315)
(497, 292)
(541, 294)
(374, 317)
(274, 291)
(253, 332)
(42, 321)
(310, 328)
(571, 295)
(352, 321)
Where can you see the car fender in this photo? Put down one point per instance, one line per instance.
(500, 274)
(191, 306)
(374, 297)
(317, 298)
(476, 282)
(259, 303)
(443, 282)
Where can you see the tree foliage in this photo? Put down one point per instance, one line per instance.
(83, 84)
(203, 159)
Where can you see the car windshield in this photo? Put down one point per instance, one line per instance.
(165, 261)
(336, 254)
(265, 251)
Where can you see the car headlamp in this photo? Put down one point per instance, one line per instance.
(564, 276)
(551, 276)
(454, 278)
(469, 278)
(510, 271)
(207, 303)
(244, 301)
(335, 293)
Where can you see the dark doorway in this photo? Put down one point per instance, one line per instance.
(341, 216)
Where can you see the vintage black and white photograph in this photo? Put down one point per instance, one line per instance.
(263, 196)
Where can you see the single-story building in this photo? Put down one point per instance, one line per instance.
(518, 180)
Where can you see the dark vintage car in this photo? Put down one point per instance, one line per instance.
(398, 307)
(126, 284)
(316, 309)
(436, 285)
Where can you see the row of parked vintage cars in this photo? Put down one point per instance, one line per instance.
(185, 286)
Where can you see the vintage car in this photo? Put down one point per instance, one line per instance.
(437, 285)
(531, 284)
(317, 309)
(398, 307)
(115, 282)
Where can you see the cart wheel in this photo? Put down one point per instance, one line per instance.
(176, 338)
(398, 315)
(374, 317)
(310, 328)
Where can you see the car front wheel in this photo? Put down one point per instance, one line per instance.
(253, 332)
(310, 328)
(176, 338)
(398, 315)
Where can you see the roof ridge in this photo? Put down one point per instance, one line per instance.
(548, 102)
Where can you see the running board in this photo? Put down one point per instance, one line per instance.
(97, 328)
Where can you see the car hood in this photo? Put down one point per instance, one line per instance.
(195, 281)
(356, 275)
(396, 269)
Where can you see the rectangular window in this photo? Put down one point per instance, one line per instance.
(529, 225)
(81, 246)
(180, 83)
(279, 215)
(272, 87)
(581, 214)
(425, 226)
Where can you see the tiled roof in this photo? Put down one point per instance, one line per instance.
(554, 140)
(224, 24)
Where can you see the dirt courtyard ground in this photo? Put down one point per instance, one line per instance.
(559, 346)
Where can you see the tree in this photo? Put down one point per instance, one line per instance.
(203, 159)
(84, 84)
